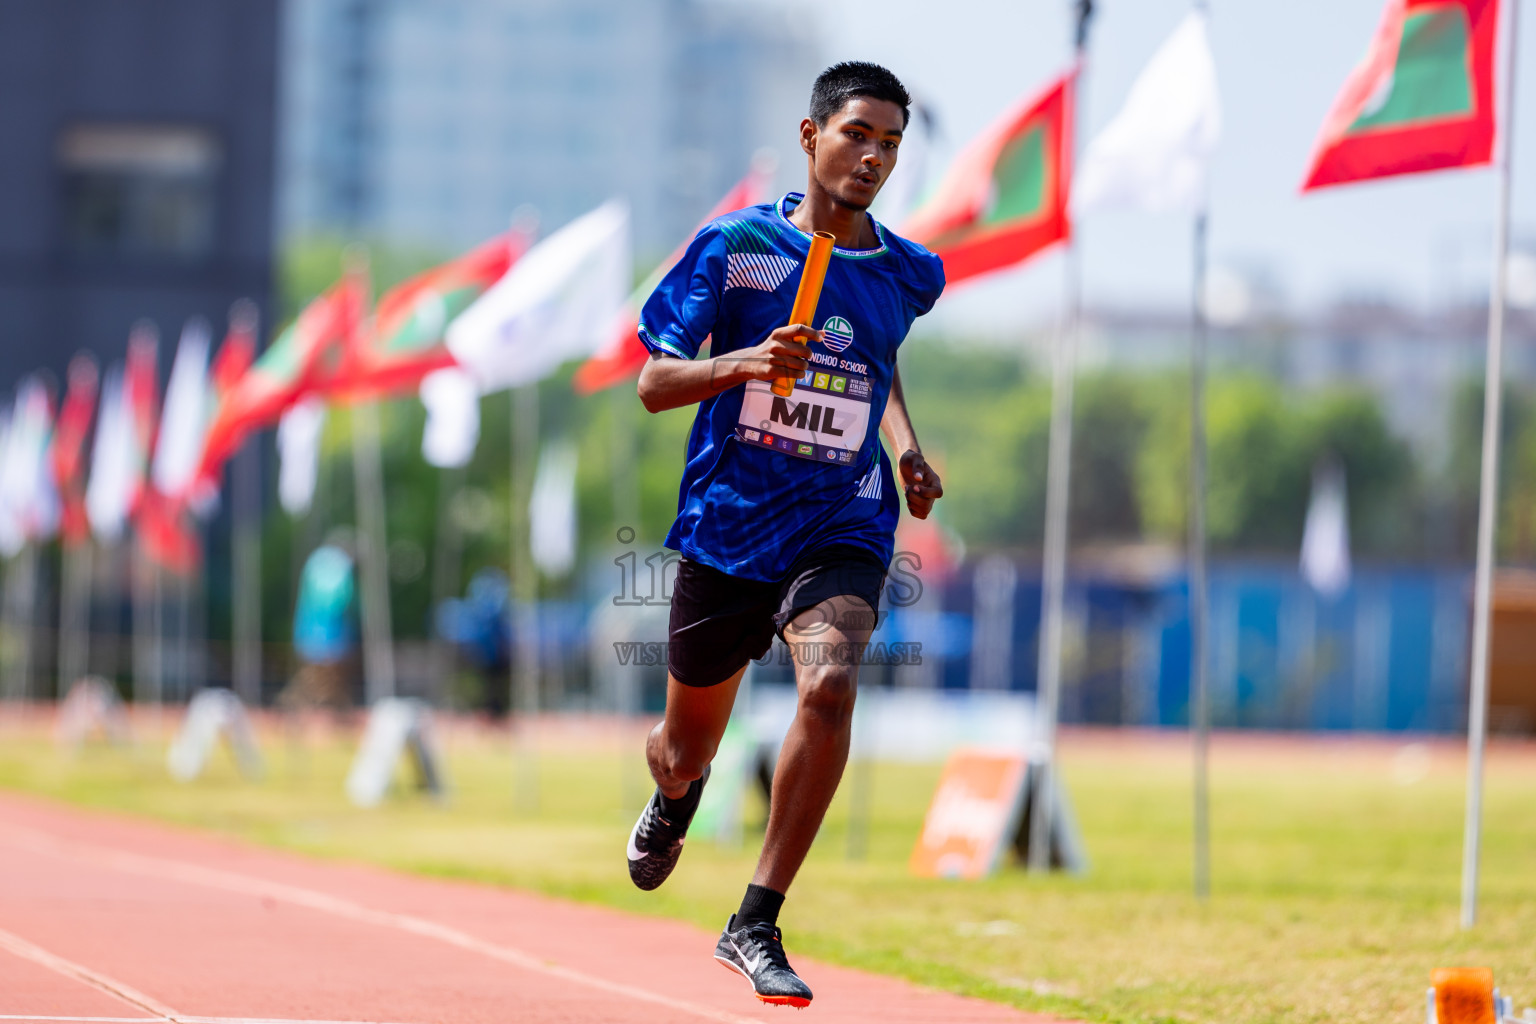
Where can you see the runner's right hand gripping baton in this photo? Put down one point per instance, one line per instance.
(804, 309)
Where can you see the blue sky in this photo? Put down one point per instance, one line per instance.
(1419, 240)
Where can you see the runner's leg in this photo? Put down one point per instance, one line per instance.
(687, 737)
(816, 747)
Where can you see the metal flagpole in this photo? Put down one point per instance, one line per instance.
(373, 562)
(17, 617)
(524, 592)
(29, 617)
(447, 558)
(1493, 381)
(372, 549)
(245, 547)
(156, 646)
(140, 592)
(185, 682)
(74, 614)
(245, 527)
(1057, 484)
(1199, 633)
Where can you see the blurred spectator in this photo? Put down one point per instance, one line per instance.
(479, 626)
(324, 632)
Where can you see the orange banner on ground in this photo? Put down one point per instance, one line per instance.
(973, 817)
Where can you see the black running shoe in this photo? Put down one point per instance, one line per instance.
(756, 952)
(656, 843)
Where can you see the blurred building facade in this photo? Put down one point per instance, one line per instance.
(137, 180)
(429, 122)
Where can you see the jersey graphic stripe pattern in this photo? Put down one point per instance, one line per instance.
(869, 486)
(743, 236)
(763, 272)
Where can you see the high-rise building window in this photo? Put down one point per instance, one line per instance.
(135, 190)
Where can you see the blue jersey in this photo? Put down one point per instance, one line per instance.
(766, 477)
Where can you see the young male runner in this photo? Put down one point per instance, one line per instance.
(787, 508)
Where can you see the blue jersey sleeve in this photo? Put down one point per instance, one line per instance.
(921, 274)
(681, 312)
(933, 283)
(926, 278)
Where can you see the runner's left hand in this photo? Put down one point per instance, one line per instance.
(920, 483)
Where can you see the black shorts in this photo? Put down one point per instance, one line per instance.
(721, 622)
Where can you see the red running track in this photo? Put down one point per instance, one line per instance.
(115, 920)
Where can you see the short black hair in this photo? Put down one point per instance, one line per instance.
(842, 81)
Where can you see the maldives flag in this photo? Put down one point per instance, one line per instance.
(624, 354)
(236, 354)
(1422, 100)
(193, 398)
(406, 342)
(141, 394)
(67, 452)
(235, 357)
(304, 354)
(166, 535)
(1005, 196)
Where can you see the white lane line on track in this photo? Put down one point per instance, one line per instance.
(179, 1019)
(28, 951)
(212, 878)
(264, 1020)
(108, 1020)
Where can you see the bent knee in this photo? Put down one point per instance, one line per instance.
(685, 760)
(828, 693)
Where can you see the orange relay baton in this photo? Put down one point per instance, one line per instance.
(804, 309)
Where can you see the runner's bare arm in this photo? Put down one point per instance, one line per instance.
(919, 481)
(667, 382)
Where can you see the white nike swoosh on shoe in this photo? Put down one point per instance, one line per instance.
(751, 965)
(635, 853)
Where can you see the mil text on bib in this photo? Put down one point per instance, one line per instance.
(825, 420)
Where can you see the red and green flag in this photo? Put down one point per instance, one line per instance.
(141, 391)
(624, 354)
(67, 451)
(406, 341)
(1422, 100)
(300, 357)
(166, 529)
(235, 358)
(1005, 197)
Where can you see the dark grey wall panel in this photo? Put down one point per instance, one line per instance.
(183, 64)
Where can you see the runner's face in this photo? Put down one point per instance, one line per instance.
(855, 152)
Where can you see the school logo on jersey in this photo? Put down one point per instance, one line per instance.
(837, 333)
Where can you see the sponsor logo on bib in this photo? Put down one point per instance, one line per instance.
(837, 333)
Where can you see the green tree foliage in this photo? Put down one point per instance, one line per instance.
(308, 266)
(1517, 470)
(1263, 446)
(987, 421)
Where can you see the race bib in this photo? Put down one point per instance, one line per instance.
(825, 420)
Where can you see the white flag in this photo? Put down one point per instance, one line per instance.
(29, 498)
(556, 303)
(110, 491)
(11, 536)
(1325, 542)
(452, 400)
(298, 453)
(184, 420)
(1153, 155)
(552, 509)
